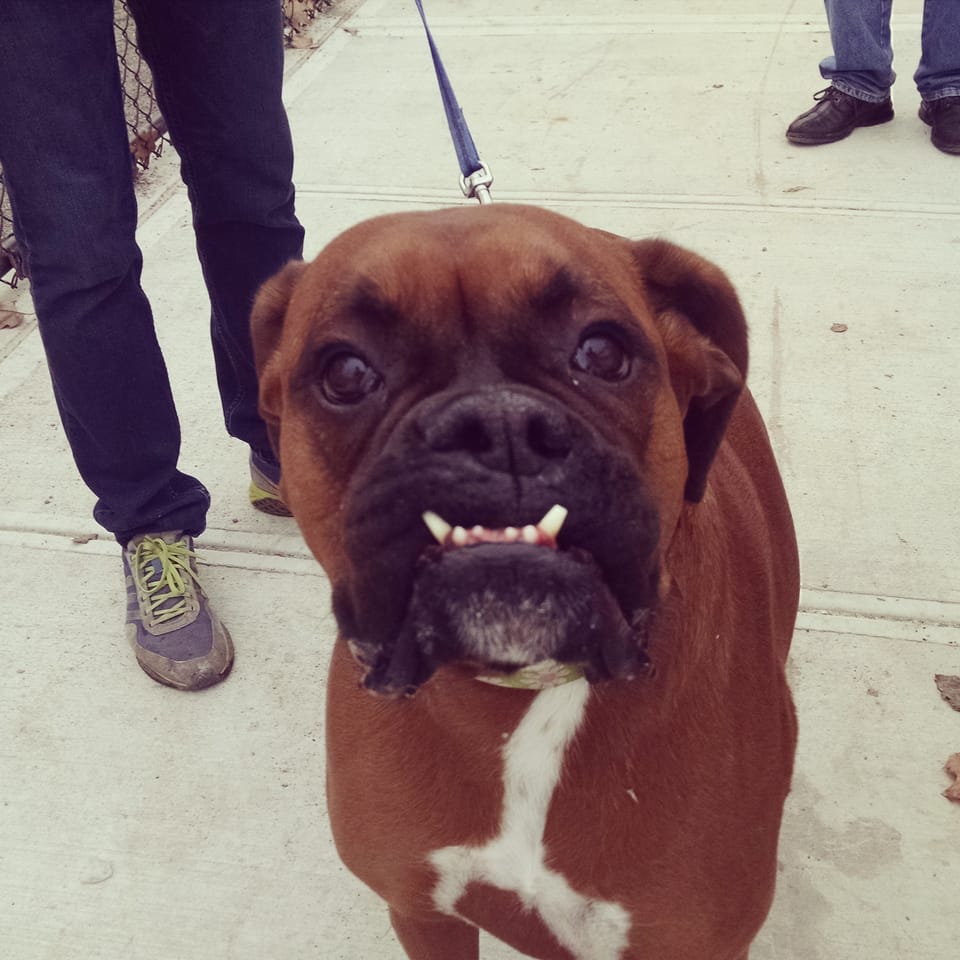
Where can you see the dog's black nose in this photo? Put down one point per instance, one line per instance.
(505, 430)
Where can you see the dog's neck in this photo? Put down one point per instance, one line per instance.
(537, 676)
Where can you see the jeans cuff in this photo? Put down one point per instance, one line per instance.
(859, 94)
(941, 94)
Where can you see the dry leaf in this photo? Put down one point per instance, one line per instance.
(10, 319)
(952, 767)
(298, 15)
(839, 327)
(147, 142)
(298, 12)
(301, 41)
(949, 688)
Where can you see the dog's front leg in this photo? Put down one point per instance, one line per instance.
(445, 938)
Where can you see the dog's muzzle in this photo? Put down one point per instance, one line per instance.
(498, 530)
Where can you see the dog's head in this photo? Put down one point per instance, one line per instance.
(489, 419)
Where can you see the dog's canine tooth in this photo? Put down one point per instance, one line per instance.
(553, 520)
(437, 526)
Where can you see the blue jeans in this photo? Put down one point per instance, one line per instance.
(218, 71)
(862, 61)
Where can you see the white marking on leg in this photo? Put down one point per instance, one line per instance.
(515, 859)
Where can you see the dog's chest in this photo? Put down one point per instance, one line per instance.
(515, 860)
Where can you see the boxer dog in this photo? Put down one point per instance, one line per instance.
(564, 575)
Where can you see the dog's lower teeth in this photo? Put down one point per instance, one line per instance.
(545, 532)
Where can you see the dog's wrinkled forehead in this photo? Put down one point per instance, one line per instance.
(436, 268)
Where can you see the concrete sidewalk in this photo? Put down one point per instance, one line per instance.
(142, 823)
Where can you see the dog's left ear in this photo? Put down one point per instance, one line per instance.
(705, 335)
(266, 327)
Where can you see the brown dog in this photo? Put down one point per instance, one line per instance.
(522, 451)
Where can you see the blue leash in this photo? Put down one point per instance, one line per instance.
(476, 177)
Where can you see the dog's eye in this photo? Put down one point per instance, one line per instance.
(347, 378)
(603, 356)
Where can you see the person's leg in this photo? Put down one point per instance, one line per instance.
(938, 74)
(66, 163)
(218, 76)
(860, 72)
(862, 62)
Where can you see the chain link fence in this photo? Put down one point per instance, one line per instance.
(148, 131)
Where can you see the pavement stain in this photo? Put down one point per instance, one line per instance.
(861, 848)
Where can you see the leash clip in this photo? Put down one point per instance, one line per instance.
(477, 185)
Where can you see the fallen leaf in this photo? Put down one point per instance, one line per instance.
(299, 14)
(839, 327)
(952, 767)
(9, 319)
(149, 142)
(300, 40)
(949, 688)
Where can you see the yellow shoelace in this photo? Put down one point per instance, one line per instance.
(165, 589)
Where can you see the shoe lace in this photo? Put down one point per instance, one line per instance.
(164, 576)
(828, 93)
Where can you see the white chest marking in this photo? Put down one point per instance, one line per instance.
(514, 860)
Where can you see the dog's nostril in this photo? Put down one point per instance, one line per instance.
(475, 437)
(548, 439)
(466, 434)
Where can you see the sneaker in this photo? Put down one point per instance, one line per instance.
(836, 116)
(943, 116)
(177, 638)
(265, 485)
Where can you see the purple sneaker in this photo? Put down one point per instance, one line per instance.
(177, 638)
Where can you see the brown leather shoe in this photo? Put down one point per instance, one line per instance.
(943, 115)
(836, 116)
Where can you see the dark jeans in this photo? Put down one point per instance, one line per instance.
(218, 70)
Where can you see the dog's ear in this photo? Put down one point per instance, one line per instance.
(705, 335)
(266, 327)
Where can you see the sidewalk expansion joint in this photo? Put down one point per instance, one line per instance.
(240, 549)
(918, 620)
(913, 619)
(826, 206)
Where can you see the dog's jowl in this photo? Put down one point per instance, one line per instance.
(564, 576)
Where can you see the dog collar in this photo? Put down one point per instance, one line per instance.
(538, 676)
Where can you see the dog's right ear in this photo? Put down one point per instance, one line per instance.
(266, 328)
